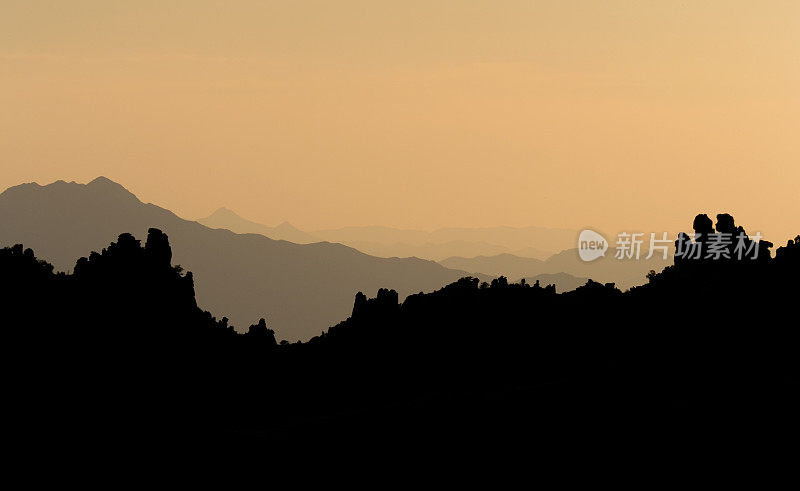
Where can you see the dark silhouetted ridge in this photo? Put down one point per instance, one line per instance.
(706, 350)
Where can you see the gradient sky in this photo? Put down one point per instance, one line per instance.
(609, 114)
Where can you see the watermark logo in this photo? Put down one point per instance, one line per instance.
(697, 246)
(591, 245)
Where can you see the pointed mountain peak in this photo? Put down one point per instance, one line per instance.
(105, 184)
(101, 181)
(223, 213)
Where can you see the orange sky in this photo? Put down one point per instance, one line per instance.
(613, 115)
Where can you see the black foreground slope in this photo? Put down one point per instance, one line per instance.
(704, 354)
(243, 277)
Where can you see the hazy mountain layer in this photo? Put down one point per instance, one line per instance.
(625, 273)
(534, 242)
(228, 219)
(440, 251)
(509, 265)
(524, 240)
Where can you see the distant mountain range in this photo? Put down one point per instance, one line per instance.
(509, 265)
(492, 251)
(301, 285)
(227, 219)
(301, 289)
(536, 242)
(542, 240)
(473, 250)
(438, 251)
(625, 273)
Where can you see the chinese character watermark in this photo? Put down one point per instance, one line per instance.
(697, 246)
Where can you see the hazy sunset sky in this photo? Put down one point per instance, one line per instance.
(420, 114)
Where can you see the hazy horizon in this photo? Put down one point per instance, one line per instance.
(612, 116)
(359, 239)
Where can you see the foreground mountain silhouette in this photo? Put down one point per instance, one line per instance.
(562, 281)
(472, 367)
(243, 277)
